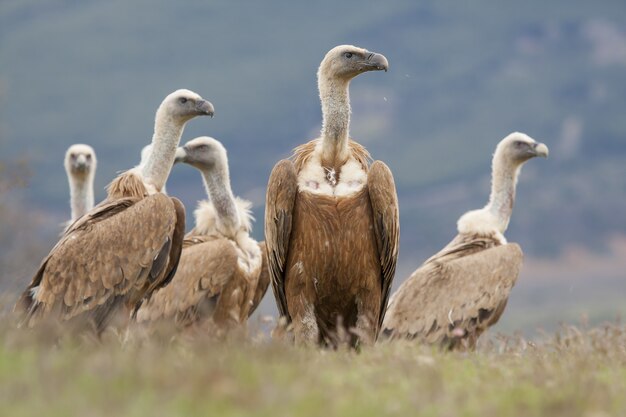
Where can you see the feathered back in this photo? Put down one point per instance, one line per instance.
(302, 153)
(127, 184)
(206, 217)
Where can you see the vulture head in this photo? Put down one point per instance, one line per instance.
(203, 153)
(518, 148)
(183, 105)
(347, 61)
(80, 160)
(511, 153)
(222, 212)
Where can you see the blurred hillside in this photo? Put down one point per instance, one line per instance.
(462, 76)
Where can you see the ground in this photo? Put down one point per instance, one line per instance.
(573, 372)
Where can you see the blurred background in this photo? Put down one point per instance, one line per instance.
(462, 76)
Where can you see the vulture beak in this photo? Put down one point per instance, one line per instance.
(181, 155)
(81, 163)
(205, 108)
(376, 62)
(540, 149)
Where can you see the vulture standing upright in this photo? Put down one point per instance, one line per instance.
(463, 289)
(80, 166)
(221, 278)
(331, 220)
(127, 246)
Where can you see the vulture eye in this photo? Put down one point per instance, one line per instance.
(88, 157)
(73, 155)
(519, 144)
(202, 147)
(348, 55)
(182, 100)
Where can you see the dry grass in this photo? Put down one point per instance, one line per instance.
(571, 373)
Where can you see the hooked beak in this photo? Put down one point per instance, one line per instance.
(181, 155)
(541, 150)
(376, 62)
(205, 108)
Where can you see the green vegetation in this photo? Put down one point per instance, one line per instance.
(571, 373)
(462, 76)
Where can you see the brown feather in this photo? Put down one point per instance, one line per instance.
(204, 268)
(302, 154)
(342, 277)
(209, 285)
(386, 218)
(127, 184)
(457, 294)
(107, 253)
(279, 201)
(175, 248)
(264, 279)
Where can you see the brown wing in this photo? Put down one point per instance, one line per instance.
(175, 250)
(464, 245)
(263, 282)
(279, 201)
(382, 192)
(206, 265)
(455, 296)
(161, 274)
(106, 257)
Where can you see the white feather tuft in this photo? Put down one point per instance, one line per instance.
(482, 222)
(207, 221)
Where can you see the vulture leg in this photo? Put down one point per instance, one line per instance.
(366, 324)
(305, 328)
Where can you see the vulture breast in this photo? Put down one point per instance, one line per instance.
(333, 259)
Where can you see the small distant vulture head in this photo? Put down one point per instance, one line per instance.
(518, 148)
(183, 105)
(347, 61)
(203, 153)
(80, 160)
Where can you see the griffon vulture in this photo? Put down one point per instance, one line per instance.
(219, 280)
(127, 246)
(463, 289)
(331, 220)
(80, 165)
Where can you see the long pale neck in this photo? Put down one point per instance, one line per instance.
(503, 184)
(167, 133)
(335, 97)
(217, 183)
(81, 195)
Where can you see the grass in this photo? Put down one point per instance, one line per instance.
(572, 372)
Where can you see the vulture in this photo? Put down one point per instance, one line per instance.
(331, 221)
(80, 166)
(221, 276)
(124, 248)
(463, 289)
